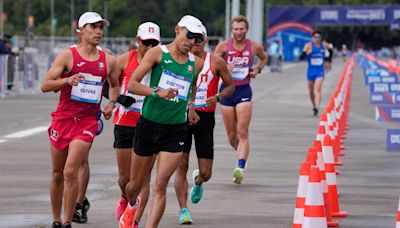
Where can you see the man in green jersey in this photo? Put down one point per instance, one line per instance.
(161, 129)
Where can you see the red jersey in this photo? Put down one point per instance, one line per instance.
(243, 61)
(129, 116)
(207, 86)
(84, 99)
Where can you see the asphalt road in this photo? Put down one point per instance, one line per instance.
(281, 131)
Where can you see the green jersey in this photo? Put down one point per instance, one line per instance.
(170, 74)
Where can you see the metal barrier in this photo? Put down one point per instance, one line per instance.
(21, 74)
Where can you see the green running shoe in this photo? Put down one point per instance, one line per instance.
(196, 192)
(238, 176)
(185, 217)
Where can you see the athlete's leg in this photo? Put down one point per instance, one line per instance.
(144, 194)
(83, 175)
(318, 90)
(124, 166)
(229, 116)
(58, 158)
(181, 183)
(205, 167)
(166, 165)
(140, 166)
(311, 92)
(243, 113)
(78, 151)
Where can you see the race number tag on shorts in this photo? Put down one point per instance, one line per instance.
(316, 61)
(201, 96)
(88, 90)
(240, 73)
(171, 80)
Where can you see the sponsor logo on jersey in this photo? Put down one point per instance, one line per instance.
(80, 64)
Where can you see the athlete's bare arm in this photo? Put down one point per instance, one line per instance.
(198, 66)
(112, 77)
(307, 48)
(219, 66)
(259, 52)
(122, 62)
(151, 58)
(221, 49)
(192, 115)
(62, 64)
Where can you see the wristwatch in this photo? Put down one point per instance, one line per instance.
(259, 70)
(154, 91)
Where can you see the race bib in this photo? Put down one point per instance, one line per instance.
(201, 96)
(316, 61)
(240, 73)
(88, 90)
(169, 79)
(139, 100)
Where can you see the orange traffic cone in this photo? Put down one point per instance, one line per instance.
(301, 195)
(398, 216)
(333, 199)
(314, 209)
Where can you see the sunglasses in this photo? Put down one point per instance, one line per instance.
(198, 38)
(147, 43)
(317, 37)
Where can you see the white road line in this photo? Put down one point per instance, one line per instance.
(28, 132)
(3, 140)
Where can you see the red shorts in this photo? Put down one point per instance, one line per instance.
(63, 132)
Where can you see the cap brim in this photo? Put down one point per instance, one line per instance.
(194, 29)
(149, 37)
(105, 22)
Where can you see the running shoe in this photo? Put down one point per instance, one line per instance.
(185, 217)
(85, 208)
(67, 225)
(78, 214)
(120, 207)
(196, 192)
(127, 218)
(56, 225)
(315, 111)
(238, 176)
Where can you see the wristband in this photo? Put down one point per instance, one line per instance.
(259, 70)
(217, 96)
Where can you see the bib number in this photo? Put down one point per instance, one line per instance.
(169, 79)
(316, 61)
(240, 73)
(201, 96)
(88, 90)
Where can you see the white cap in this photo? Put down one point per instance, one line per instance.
(204, 30)
(149, 30)
(90, 18)
(192, 24)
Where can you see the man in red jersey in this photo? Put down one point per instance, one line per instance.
(236, 110)
(207, 97)
(126, 118)
(79, 72)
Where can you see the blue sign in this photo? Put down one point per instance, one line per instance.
(393, 139)
(384, 87)
(387, 113)
(382, 98)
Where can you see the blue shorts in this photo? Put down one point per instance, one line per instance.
(242, 93)
(313, 76)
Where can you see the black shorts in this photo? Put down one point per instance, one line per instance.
(123, 136)
(151, 137)
(203, 133)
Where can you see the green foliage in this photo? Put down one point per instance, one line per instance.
(126, 15)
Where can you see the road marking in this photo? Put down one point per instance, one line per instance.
(28, 132)
(3, 140)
